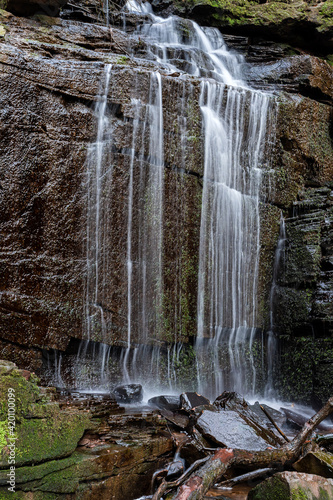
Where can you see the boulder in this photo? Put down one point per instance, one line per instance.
(316, 462)
(235, 402)
(129, 393)
(304, 74)
(292, 485)
(299, 420)
(190, 400)
(178, 419)
(228, 429)
(30, 7)
(326, 441)
(164, 402)
(175, 469)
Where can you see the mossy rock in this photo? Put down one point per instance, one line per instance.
(43, 431)
(289, 21)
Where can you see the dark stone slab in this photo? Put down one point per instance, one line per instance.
(166, 402)
(227, 428)
(190, 400)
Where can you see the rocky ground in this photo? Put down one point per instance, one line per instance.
(77, 446)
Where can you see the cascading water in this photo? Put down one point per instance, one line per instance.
(234, 126)
(147, 312)
(271, 334)
(99, 173)
(234, 122)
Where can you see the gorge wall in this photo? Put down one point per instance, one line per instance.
(52, 72)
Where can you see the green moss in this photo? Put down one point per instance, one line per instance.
(122, 60)
(43, 431)
(3, 434)
(45, 439)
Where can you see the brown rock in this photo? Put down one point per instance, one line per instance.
(316, 462)
(30, 7)
(289, 485)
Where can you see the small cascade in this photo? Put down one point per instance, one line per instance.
(99, 174)
(144, 304)
(272, 341)
(235, 124)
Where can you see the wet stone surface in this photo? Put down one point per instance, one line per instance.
(226, 428)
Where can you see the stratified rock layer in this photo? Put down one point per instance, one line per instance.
(52, 71)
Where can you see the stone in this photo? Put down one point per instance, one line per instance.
(7, 366)
(30, 7)
(175, 469)
(166, 402)
(178, 419)
(299, 419)
(292, 485)
(129, 393)
(316, 462)
(303, 74)
(190, 400)
(259, 423)
(326, 441)
(227, 429)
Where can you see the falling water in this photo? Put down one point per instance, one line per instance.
(234, 121)
(234, 126)
(147, 313)
(98, 173)
(271, 334)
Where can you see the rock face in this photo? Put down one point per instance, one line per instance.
(27, 8)
(289, 485)
(303, 24)
(62, 443)
(52, 72)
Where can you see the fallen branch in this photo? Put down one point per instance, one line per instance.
(247, 477)
(174, 484)
(274, 423)
(199, 483)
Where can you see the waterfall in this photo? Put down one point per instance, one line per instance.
(147, 313)
(271, 334)
(234, 135)
(234, 126)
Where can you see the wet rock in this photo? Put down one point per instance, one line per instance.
(316, 462)
(234, 401)
(178, 419)
(300, 420)
(193, 451)
(175, 469)
(278, 416)
(98, 405)
(129, 393)
(197, 410)
(291, 485)
(165, 402)
(326, 441)
(303, 74)
(190, 400)
(30, 7)
(227, 428)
